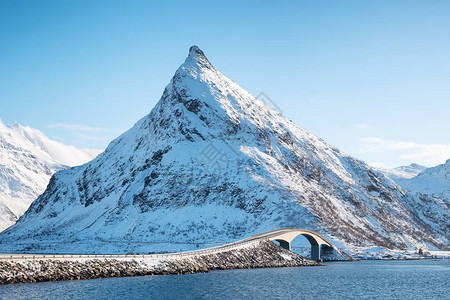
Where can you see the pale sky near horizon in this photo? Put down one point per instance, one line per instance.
(370, 77)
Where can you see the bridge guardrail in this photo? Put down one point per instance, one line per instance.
(210, 250)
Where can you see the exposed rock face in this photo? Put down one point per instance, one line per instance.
(263, 254)
(212, 164)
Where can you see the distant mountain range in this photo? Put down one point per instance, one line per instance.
(420, 180)
(211, 164)
(403, 172)
(27, 161)
(431, 186)
(434, 182)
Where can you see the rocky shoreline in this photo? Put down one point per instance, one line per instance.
(262, 254)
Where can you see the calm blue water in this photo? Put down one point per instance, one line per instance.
(424, 279)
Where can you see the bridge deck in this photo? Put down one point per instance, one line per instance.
(270, 235)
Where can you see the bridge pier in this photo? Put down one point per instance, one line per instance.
(285, 245)
(315, 252)
(284, 237)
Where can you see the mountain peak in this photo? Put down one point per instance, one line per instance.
(417, 166)
(17, 126)
(196, 52)
(197, 57)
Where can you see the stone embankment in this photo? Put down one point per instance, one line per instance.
(261, 254)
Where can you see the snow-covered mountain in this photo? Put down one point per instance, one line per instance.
(418, 179)
(403, 172)
(425, 184)
(432, 189)
(211, 164)
(432, 181)
(27, 161)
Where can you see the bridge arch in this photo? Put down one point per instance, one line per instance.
(285, 236)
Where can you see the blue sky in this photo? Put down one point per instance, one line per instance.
(370, 77)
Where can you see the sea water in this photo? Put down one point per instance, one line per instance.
(421, 279)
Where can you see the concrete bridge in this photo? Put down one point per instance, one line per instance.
(284, 236)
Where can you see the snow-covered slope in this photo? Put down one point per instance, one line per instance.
(432, 189)
(211, 164)
(403, 172)
(433, 181)
(27, 161)
(417, 179)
